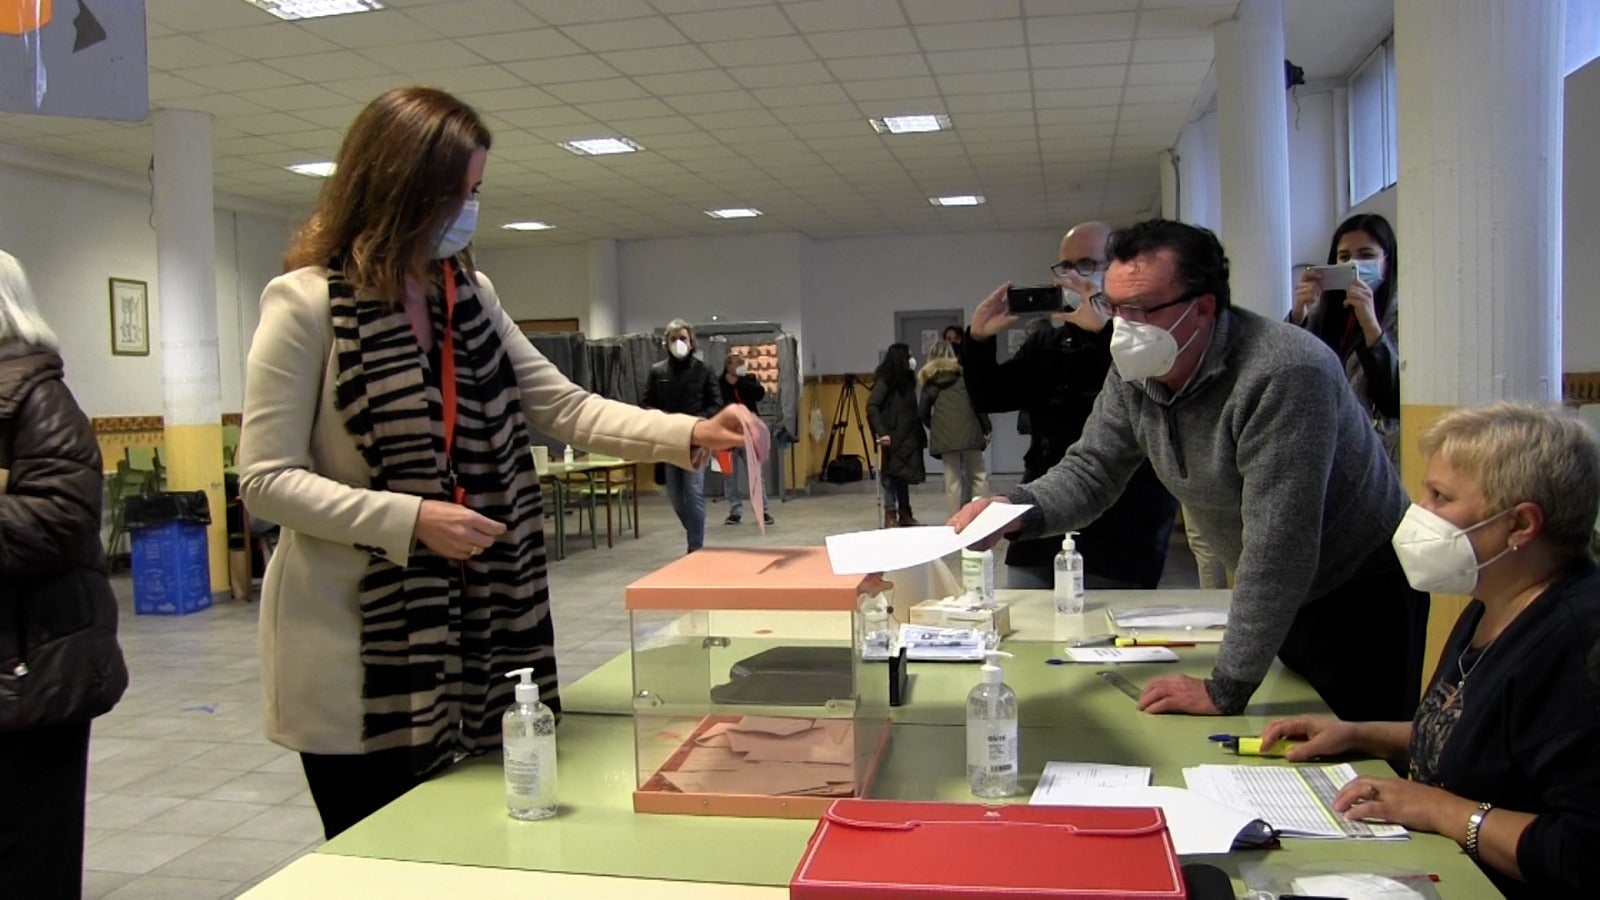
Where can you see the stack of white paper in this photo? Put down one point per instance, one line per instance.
(1197, 823)
(1296, 800)
(1169, 617)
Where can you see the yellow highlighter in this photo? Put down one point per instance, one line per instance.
(1251, 746)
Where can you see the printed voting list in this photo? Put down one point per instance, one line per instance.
(1296, 800)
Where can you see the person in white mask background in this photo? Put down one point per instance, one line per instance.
(1053, 378)
(1250, 423)
(1504, 754)
(387, 403)
(683, 384)
(1361, 322)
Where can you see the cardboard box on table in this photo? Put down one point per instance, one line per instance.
(749, 698)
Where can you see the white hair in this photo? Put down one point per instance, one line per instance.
(19, 315)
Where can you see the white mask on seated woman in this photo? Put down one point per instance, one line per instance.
(1436, 555)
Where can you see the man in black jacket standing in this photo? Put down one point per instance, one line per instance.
(681, 383)
(739, 386)
(1054, 377)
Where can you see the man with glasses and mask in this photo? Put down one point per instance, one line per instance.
(1053, 378)
(1251, 424)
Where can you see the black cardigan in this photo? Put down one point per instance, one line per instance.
(1528, 738)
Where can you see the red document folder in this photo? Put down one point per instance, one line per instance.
(874, 849)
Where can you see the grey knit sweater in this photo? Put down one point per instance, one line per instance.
(1271, 454)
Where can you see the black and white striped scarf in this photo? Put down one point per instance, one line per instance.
(438, 636)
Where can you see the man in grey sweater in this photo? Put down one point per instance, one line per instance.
(1251, 424)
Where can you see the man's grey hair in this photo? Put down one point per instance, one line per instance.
(19, 314)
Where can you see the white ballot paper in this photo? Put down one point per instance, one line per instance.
(888, 549)
(1197, 823)
(1120, 654)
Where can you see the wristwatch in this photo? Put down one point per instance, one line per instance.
(1474, 823)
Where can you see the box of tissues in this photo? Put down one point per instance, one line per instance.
(966, 611)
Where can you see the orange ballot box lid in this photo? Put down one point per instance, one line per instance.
(797, 578)
(965, 851)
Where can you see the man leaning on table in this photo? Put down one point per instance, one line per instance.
(1250, 424)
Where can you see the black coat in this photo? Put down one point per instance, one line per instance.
(59, 658)
(682, 386)
(895, 413)
(745, 389)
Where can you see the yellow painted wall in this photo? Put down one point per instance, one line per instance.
(822, 392)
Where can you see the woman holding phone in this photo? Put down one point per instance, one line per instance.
(1359, 320)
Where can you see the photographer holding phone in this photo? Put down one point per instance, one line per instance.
(1359, 320)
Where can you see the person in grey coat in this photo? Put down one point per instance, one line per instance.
(957, 434)
(1252, 425)
(892, 413)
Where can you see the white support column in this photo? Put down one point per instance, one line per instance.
(1254, 126)
(1480, 200)
(605, 297)
(187, 284)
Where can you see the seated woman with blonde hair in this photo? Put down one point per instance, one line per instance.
(1504, 753)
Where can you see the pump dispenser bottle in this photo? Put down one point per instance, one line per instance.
(528, 735)
(1069, 577)
(992, 751)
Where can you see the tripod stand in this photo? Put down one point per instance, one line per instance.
(841, 425)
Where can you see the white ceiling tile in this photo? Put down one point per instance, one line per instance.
(892, 89)
(1187, 21)
(374, 29)
(1168, 73)
(718, 102)
(866, 42)
(166, 89)
(1155, 112)
(960, 62)
(434, 54)
(468, 80)
(971, 35)
(986, 103)
(297, 97)
(801, 95)
(740, 118)
(761, 51)
(460, 18)
(520, 97)
(182, 51)
(339, 65)
(1055, 56)
(533, 43)
(984, 138)
(1167, 50)
(985, 83)
(733, 24)
(649, 127)
(566, 12)
(205, 16)
(565, 117)
(334, 117)
(265, 124)
(270, 41)
(237, 76)
(863, 68)
(1081, 29)
(668, 7)
(578, 92)
(631, 34)
(702, 82)
(1078, 77)
(1059, 7)
(931, 12)
(839, 15)
(640, 109)
(560, 70)
(781, 75)
(1078, 98)
(976, 125)
(659, 60)
(1183, 92)
(825, 115)
(1167, 128)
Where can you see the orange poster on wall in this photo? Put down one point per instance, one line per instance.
(23, 16)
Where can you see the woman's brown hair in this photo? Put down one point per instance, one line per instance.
(397, 186)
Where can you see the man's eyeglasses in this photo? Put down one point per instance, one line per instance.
(1084, 267)
(1133, 312)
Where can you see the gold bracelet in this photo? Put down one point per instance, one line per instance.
(1474, 823)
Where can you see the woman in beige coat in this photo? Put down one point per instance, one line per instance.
(387, 404)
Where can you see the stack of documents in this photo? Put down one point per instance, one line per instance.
(1296, 800)
(1169, 618)
(1198, 824)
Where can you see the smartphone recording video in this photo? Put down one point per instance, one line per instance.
(1335, 278)
(1033, 300)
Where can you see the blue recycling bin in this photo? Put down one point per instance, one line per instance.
(171, 567)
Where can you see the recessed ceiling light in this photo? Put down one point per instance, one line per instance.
(317, 169)
(958, 200)
(315, 9)
(600, 146)
(527, 226)
(734, 212)
(909, 124)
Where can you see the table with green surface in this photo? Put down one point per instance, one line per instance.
(459, 818)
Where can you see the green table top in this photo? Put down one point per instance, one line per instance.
(1066, 714)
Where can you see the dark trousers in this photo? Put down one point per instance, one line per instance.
(1361, 646)
(46, 772)
(348, 788)
(896, 495)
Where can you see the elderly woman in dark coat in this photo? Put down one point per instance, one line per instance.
(892, 412)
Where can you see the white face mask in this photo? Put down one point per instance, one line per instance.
(913, 363)
(459, 233)
(742, 371)
(1436, 555)
(1141, 350)
(1071, 299)
(678, 348)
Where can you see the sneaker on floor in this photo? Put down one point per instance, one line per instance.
(766, 519)
(732, 519)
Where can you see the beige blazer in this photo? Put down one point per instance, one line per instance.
(300, 468)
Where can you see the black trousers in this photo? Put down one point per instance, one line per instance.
(902, 494)
(348, 788)
(1361, 646)
(46, 772)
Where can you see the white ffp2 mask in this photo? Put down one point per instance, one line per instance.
(1436, 555)
(679, 348)
(1141, 350)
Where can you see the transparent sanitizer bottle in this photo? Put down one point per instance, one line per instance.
(1069, 578)
(992, 750)
(528, 736)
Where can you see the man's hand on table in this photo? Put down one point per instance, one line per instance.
(1177, 694)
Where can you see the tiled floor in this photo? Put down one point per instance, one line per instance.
(188, 800)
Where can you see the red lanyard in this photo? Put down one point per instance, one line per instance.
(447, 376)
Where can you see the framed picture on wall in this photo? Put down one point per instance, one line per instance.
(130, 317)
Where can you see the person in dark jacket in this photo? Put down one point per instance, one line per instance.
(1504, 753)
(1053, 379)
(739, 386)
(60, 665)
(897, 426)
(957, 434)
(681, 383)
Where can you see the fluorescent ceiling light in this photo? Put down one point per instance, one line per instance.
(734, 212)
(958, 200)
(315, 9)
(909, 124)
(317, 169)
(527, 226)
(600, 146)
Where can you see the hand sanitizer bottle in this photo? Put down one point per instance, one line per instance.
(977, 574)
(1069, 578)
(566, 455)
(528, 733)
(992, 752)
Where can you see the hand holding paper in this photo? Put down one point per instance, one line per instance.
(973, 513)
